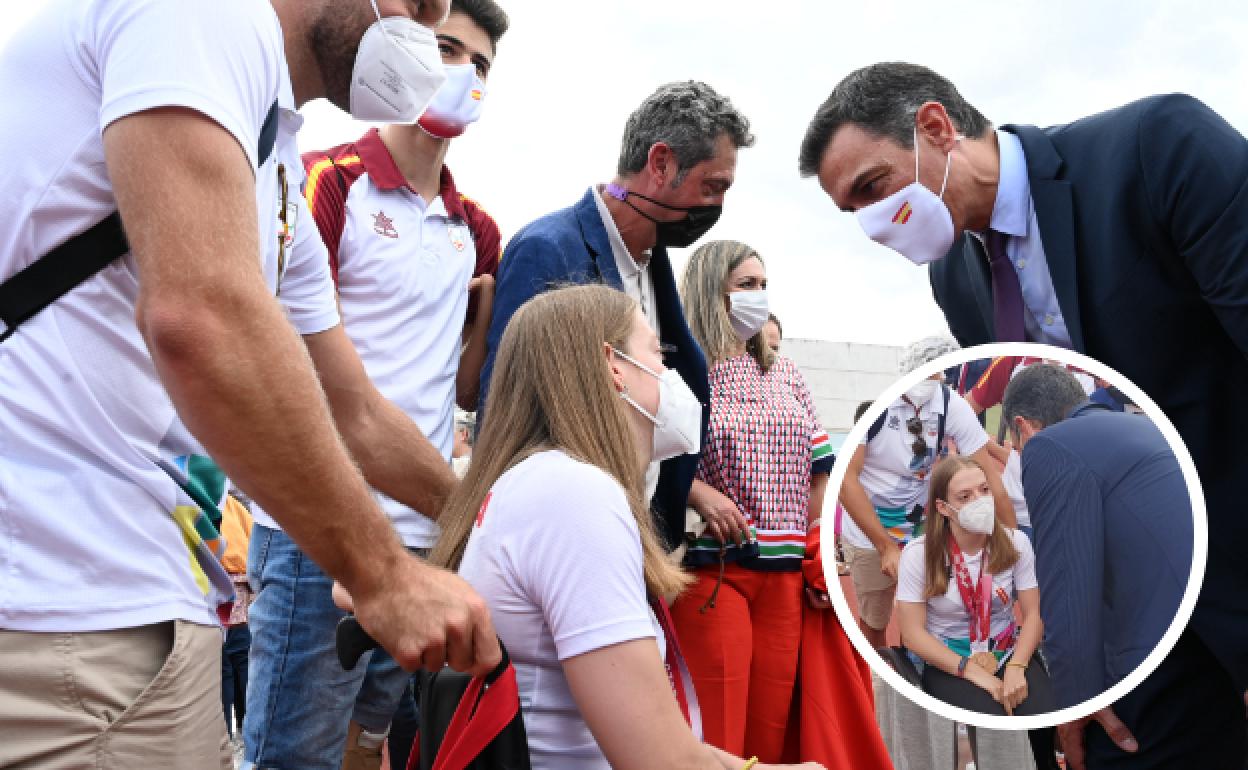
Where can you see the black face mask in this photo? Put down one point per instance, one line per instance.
(680, 233)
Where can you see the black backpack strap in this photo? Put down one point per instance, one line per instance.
(874, 430)
(940, 421)
(58, 272)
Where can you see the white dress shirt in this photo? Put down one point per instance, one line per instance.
(635, 275)
(1014, 214)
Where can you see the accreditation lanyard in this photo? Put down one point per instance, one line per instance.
(976, 596)
(677, 671)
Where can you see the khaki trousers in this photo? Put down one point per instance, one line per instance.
(147, 697)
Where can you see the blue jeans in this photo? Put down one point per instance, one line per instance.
(234, 674)
(299, 698)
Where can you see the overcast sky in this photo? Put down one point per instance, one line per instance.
(569, 72)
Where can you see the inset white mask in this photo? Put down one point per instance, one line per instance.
(921, 392)
(978, 516)
(398, 69)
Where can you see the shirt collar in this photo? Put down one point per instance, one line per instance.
(384, 173)
(629, 267)
(1011, 212)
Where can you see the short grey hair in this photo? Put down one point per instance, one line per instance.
(882, 100)
(1043, 393)
(688, 116)
(924, 350)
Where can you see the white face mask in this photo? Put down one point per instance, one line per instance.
(921, 392)
(979, 516)
(913, 221)
(747, 310)
(398, 69)
(678, 423)
(457, 104)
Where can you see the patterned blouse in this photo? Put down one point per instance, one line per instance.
(763, 443)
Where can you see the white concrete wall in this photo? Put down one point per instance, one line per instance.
(842, 374)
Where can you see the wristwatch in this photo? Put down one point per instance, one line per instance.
(962, 665)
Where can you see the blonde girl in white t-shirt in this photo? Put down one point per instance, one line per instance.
(550, 526)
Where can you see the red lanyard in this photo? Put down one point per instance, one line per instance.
(677, 672)
(977, 596)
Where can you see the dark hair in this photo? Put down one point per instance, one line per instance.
(687, 116)
(772, 317)
(861, 409)
(487, 15)
(1044, 393)
(882, 99)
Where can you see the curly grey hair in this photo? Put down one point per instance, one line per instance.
(927, 349)
(688, 116)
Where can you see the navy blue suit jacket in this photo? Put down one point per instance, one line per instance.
(1143, 213)
(571, 246)
(1113, 539)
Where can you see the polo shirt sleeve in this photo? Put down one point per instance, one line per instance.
(990, 387)
(220, 59)
(962, 425)
(307, 287)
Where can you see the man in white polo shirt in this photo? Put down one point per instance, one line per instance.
(886, 483)
(405, 248)
(176, 349)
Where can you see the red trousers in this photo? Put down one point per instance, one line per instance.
(742, 655)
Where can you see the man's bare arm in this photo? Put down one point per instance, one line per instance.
(395, 456)
(243, 384)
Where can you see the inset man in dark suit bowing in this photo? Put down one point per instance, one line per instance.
(1123, 235)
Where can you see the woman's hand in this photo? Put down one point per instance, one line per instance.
(994, 686)
(724, 521)
(818, 600)
(1014, 687)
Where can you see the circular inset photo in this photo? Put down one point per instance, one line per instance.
(1021, 534)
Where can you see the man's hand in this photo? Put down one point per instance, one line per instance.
(432, 13)
(890, 558)
(724, 521)
(426, 617)
(1071, 736)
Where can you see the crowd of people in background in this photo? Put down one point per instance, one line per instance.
(573, 452)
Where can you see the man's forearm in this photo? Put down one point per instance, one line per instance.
(397, 458)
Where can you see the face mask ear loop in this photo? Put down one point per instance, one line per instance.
(916, 152)
(945, 181)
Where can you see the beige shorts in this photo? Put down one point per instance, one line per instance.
(873, 589)
(113, 700)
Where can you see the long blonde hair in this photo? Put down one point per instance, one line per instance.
(1001, 552)
(552, 389)
(702, 287)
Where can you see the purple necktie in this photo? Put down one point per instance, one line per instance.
(1007, 294)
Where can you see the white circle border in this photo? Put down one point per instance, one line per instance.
(1200, 538)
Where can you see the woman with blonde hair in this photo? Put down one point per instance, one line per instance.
(759, 487)
(968, 604)
(550, 526)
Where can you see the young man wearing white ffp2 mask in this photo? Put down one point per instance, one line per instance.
(379, 203)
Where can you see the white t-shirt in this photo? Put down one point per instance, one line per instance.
(1012, 478)
(557, 556)
(893, 476)
(947, 617)
(90, 540)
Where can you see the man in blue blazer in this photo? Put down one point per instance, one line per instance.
(677, 160)
(1113, 537)
(1122, 236)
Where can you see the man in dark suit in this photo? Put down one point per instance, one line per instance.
(1121, 235)
(677, 160)
(1113, 537)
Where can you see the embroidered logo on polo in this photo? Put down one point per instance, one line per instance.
(894, 422)
(384, 225)
(459, 236)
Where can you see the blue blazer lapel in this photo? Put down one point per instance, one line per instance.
(1056, 213)
(597, 243)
